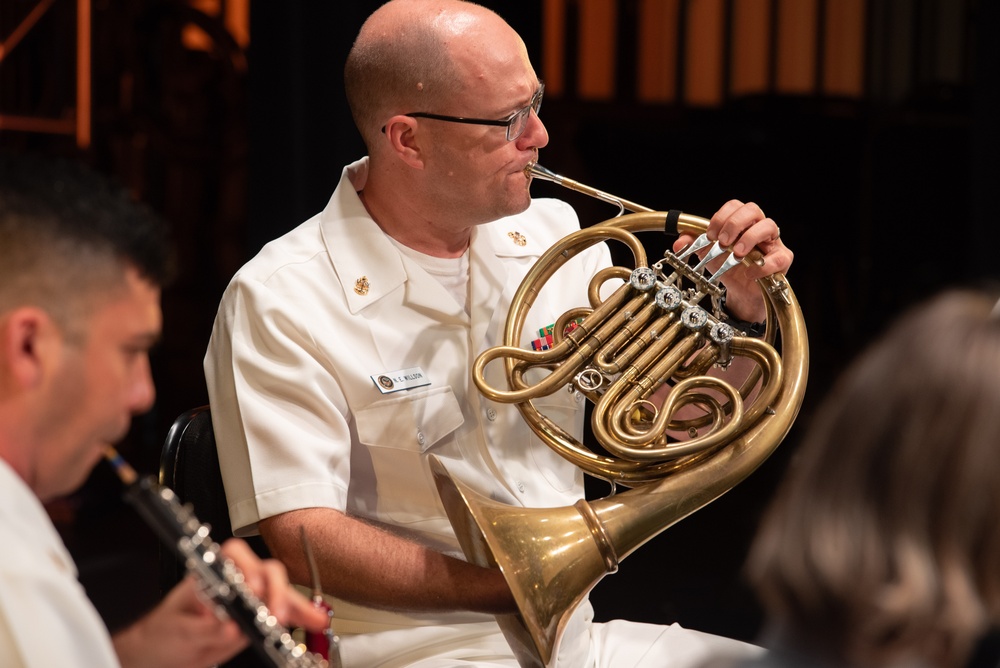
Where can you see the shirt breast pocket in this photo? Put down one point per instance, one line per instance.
(398, 433)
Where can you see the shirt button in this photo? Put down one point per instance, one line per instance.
(491, 414)
(420, 437)
(520, 486)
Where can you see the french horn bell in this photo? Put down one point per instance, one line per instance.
(658, 335)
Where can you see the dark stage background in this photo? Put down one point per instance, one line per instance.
(884, 199)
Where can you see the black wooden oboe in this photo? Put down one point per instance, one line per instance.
(218, 576)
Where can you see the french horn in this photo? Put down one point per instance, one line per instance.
(658, 335)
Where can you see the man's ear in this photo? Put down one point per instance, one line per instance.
(401, 131)
(29, 343)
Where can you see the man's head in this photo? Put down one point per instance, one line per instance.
(81, 267)
(449, 58)
(398, 62)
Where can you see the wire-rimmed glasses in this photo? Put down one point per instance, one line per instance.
(516, 123)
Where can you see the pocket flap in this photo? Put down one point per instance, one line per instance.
(411, 421)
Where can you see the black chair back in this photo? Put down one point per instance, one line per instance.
(189, 465)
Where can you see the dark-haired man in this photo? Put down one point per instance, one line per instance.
(80, 273)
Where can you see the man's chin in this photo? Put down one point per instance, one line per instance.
(68, 483)
(520, 202)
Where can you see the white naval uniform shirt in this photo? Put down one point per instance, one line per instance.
(299, 420)
(46, 618)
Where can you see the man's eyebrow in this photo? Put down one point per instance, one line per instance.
(538, 87)
(520, 105)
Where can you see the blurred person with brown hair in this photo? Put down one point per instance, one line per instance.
(882, 546)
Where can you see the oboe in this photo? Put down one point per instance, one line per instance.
(218, 576)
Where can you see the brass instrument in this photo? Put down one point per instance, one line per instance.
(653, 334)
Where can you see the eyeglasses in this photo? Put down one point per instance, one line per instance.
(516, 123)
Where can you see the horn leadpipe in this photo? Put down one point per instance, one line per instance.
(536, 170)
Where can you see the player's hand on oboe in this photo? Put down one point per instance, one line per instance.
(185, 629)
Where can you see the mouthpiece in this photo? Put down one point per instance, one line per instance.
(121, 467)
(536, 170)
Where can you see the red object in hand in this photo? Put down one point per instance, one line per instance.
(319, 643)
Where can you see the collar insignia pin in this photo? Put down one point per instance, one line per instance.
(517, 238)
(361, 286)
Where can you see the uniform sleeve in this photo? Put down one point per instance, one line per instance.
(279, 414)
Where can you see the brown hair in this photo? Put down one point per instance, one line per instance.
(884, 540)
(67, 233)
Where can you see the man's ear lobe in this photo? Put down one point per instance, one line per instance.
(29, 342)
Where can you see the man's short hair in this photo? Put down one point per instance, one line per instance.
(67, 234)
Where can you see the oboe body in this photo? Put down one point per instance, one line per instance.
(219, 578)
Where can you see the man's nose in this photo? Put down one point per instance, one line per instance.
(142, 393)
(535, 135)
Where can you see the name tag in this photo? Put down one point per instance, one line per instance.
(404, 379)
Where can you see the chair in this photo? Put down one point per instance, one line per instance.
(189, 465)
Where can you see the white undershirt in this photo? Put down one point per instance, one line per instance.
(451, 272)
